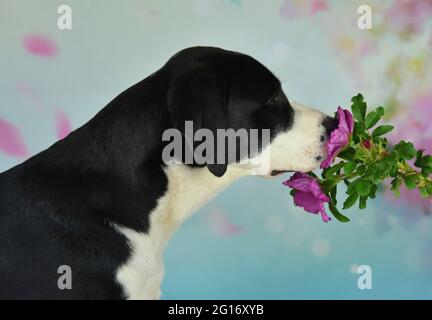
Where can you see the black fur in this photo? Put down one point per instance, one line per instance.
(58, 207)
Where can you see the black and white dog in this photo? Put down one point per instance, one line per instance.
(103, 202)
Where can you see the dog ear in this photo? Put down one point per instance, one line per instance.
(199, 96)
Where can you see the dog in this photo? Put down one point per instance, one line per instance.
(103, 203)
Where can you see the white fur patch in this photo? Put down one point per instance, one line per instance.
(188, 189)
(298, 148)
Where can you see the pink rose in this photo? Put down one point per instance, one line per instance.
(339, 137)
(308, 194)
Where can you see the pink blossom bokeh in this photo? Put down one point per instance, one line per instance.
(40, 45)
(408, 15)
(63, 125)
(221, 224)
(302, 9)
(11, 141)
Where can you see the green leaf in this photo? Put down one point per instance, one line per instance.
(370, 172)
(359, 132)
(373, 190)
(405, 150)
(423, 192)
(349, 167)
(358, 107)
(330, 171)
(394, 171)
(380, 110)
(419, 159)
(363, 187)
(390, 159)
(292, 192)
(427, 161)
(347, 154)
(339, 216)
(352, 187)
(411, 182)
(426, 171)
(361, 169)
(350, 201)
(382, 130)
(381, 169)
(373, 117)
(362, 202)
(329, 183)
(333, 194)
(359, 128)
(395, 186)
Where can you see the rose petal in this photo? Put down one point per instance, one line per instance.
(307, 201)
(339, 137)
(349, 120)
(317, 191)
(325, 218)
(299, 181)
(343, 124)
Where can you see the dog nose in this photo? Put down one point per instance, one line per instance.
(330, 124)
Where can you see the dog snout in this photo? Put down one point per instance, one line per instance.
(329, 123)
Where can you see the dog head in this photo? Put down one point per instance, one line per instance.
(218, 90)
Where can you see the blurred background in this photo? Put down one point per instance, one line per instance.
(249, 242)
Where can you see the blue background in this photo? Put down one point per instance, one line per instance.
(250, 241)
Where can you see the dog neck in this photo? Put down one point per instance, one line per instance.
(188, 189)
